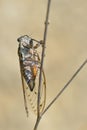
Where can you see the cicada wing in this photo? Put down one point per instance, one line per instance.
(24, 88)
(43, 89)
(30, 97)
(33, 95)
(43, 92)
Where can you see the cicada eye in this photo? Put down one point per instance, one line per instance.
(18, 39)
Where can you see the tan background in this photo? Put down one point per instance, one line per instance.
(66, 50)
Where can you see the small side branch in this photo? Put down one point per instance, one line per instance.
(59, 93)
(66, 85)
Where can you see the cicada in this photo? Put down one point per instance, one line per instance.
(30, 63)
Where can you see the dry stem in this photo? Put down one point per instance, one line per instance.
(41, 68)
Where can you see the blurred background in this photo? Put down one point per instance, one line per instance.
(66, 50)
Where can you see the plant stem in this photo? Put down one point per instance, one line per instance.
(42, 57)
(37, 123)
(41, 68)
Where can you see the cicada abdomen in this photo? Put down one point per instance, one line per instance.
(30, 69)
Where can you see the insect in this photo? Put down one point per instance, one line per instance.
(29, 60)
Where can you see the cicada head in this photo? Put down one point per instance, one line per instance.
(26, 41)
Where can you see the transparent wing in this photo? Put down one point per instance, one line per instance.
(24, 88)
(30, 97)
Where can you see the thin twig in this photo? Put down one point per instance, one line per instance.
(42, 57)
(41, 68)
(37, 123)
(66, 85)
